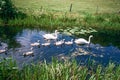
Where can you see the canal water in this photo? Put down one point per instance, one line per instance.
(103, 49)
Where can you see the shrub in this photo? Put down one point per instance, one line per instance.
(9, 11)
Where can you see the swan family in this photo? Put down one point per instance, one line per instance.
(54, 36)
(77, 41)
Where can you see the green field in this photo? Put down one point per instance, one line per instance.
(91, 6)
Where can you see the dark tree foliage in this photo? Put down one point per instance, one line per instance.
(8, 11)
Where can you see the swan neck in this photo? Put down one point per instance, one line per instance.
(56, 34)
(89, 39)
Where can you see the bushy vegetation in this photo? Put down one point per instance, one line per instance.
(8, 11)
(57, 70)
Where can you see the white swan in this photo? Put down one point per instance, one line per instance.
(58, 43)
(69, 42)
(83, 41)
(51, 36)
(46, 44)
(3, 50)
(36, 43)
(29, 52)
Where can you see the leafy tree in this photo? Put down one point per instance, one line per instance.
(8, 11)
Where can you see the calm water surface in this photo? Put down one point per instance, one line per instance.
(98, 52)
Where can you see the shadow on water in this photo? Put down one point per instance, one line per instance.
(7, 35)
(107, 38)
(101, 49)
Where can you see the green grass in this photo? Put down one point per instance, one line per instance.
(91, 6)
(57, 70)
(50, 20)
(55, 14)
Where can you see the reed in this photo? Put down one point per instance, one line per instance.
(57, 70)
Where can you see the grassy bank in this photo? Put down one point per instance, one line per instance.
(106, 21)
(57, 71)
(55, 14)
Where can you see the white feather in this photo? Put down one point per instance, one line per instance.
(3, 50)
(69, 42)
(35, 44)
(51, 36)
(83, 41)
(29, 52)
(45, 44)
(59, 42)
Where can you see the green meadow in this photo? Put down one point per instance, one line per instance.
(79, 6)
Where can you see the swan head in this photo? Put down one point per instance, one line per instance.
(56, 31)
(91, 36)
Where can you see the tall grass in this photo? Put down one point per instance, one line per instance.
(57, 70)
(103, 21)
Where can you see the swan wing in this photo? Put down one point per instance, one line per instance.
(49, 36)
